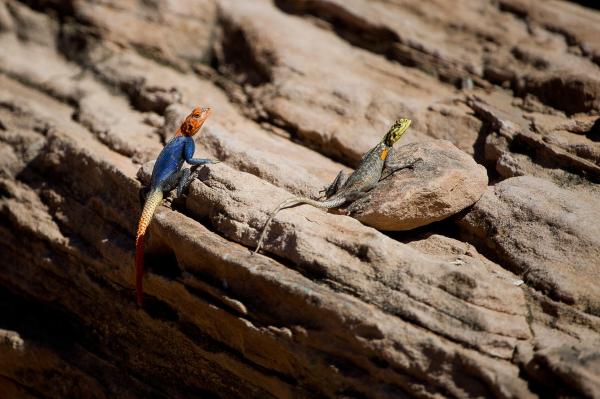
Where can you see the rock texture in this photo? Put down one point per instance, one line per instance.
(497, 300)
(442, 182)
(549, 235)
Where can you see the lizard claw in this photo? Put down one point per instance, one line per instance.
(416, 161)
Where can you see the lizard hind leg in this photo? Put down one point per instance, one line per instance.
(337, 183)
(179, 180)
(352, 196)
(184, 181)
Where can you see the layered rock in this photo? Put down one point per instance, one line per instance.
(339, 111)
(548, 235)
(470, 306)
(531, 139)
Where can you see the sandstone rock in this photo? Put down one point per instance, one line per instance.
(176, 33)
(341, 250)
(374, 26)
(560, 364)
(530, 48)
(570, 19)
(538, 141)
(313, 310)
(339, 112)
(451, 120)
(335, 308)
(572, 366)
(548, 235)
(443, 182)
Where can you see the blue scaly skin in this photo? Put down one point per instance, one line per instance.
(167, 175)
(346, 188)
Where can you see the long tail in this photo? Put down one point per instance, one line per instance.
(154, 198)
(326, 204)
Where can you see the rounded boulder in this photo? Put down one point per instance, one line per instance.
(442, 181)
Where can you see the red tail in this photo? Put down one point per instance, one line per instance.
(139, 269)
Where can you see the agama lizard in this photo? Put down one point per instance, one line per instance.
(167, 175)
(350, 188)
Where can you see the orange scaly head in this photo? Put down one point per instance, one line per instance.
(193, 122)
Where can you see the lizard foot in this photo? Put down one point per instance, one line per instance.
(184, 181)
(397, 167)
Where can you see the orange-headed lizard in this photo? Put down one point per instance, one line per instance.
(167, 175)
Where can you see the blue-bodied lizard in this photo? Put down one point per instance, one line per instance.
(167, 175)
(346, 188)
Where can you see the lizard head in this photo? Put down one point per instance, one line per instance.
(396, 131)
(194, 121)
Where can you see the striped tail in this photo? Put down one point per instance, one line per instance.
(152, 201)
(333, 202)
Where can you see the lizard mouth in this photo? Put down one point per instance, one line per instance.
(204, 114)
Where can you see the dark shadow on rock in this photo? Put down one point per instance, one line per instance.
(594, 133)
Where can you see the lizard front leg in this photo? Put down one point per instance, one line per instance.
(390, 167)
(188, 153)
(201, 161)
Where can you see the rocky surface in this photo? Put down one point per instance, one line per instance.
(498, 300)
(442, 182)
(547, 234)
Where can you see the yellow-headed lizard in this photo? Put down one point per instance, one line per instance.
(349, 188)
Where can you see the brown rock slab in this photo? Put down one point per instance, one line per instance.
(341, 111)
(577, 23)
(301, 313)
(362, 260)
(549, 235)
(574, 369)
(443, 181)
(336, 308)
(539, 141)
(176, 33)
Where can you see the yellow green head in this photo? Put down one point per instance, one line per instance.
(396, 131)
